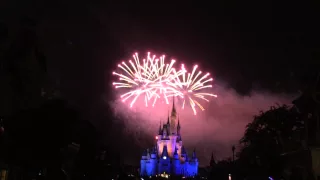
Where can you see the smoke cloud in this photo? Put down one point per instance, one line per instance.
(214, 130)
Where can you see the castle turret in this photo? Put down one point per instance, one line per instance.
(179, 139)
(160, 132)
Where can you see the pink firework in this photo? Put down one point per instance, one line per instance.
(150, 78)
(153, 79)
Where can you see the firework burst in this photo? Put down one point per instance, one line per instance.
(190, 88)
(153, 78)
(150, 78)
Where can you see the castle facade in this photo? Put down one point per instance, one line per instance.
(168, 156)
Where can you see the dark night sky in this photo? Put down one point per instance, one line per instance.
(261, 44)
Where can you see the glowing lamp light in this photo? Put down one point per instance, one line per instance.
(156, 137)
(164, 157)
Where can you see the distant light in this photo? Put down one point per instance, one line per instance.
(164, 157)
(156, 137)
(270, 178)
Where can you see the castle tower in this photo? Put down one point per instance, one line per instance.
(169, 156)
(173, 119)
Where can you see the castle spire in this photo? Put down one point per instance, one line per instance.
(173, 118)
(173, 107)
(168, 125)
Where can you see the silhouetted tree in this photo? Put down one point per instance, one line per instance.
(308, 105)
(272, 133)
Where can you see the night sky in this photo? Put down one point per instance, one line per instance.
(246, 44)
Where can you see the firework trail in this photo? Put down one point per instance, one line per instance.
(190, 88)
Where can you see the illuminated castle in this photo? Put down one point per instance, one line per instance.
(169, 156)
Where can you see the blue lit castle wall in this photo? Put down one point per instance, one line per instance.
(169, 155)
